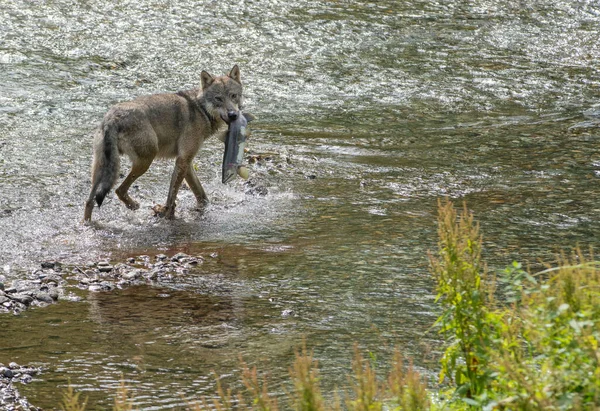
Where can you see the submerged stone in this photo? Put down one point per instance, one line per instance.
(7, 372)
(22, 298)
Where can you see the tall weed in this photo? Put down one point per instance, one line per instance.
(364, 384)
(304, 373)
(465, 292)
(408, 389)
(71, 401)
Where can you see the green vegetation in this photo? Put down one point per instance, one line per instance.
(534, 349)
(71, 402)
(465, 293)
(514, 341)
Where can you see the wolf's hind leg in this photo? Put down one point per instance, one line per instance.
(139, 167)
(89, 207)
(89, 204)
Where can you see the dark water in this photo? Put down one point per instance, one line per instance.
(371, 113)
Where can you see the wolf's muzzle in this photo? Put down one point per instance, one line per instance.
(232, 115)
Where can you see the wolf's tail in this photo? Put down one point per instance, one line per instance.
(105, 168)
(106, 159)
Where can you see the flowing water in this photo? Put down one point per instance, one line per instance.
(370, 113)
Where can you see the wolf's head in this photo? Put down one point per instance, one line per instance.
(223, 95)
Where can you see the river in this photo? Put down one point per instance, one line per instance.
(368, 113)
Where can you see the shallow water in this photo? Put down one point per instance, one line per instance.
(372, 112)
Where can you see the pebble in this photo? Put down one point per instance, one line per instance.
(10, 398)
(22, 298)
(132, 275)
(53, 293)
(48, 284)
(7, 372)
(44, 297)
(9, 395)
(52, 279)
(179, 257)
(153, 275)
(287, 313)
(104, 267)
(96, 288)
(48, 264)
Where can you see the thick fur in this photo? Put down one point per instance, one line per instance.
(170, 125)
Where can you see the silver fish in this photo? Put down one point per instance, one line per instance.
(235, 141)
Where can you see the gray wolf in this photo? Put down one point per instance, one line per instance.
(169, 125)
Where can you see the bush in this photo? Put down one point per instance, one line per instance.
(547, 356)
(536, 351)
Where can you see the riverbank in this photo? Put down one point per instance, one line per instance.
(10, 376)
(52, 281)
(55, 281)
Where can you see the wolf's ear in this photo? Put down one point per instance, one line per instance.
(235, 74)
(207, 79)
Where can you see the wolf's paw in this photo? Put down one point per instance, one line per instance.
(201, 203)
(132, 205)
(129, 202)
(163, 211)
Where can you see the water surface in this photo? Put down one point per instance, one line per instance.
(370, 111)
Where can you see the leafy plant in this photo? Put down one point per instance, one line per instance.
(514, 281)
(539, 349)
(465, 292)
(557, 364)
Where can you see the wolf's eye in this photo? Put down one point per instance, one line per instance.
(218, 99)
(234, 96)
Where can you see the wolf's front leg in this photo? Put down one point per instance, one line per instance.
(180, 171)
(196, 187)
